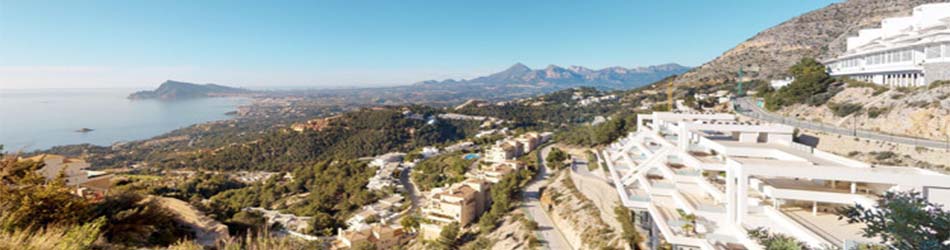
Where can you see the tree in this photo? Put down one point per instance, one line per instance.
(410, 222)
(246, 222)
(448, 235)
(555, 158)
(903, 220)
(628, 225)
(810, 85)
(27, 199)
(775, 241)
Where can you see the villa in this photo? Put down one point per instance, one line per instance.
(704, 180)
(88, 183)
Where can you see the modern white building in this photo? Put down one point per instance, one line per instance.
(733, 177)
(905, 51)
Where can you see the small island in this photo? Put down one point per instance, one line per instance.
(84, 130)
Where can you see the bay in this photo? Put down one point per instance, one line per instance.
(32, 119)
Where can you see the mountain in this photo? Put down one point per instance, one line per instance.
(573, 76)
(172, 90)
(819, 34)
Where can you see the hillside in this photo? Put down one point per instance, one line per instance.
(173, 90)
(818, 34)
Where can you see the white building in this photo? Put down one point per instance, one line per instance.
(429, 152)
(781, 83)
(905, 51)
(382, 160)
(738, 176)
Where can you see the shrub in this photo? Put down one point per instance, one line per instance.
(878, 89)
(874, 112)
(884, 155)
(844, 109)
(937, 84)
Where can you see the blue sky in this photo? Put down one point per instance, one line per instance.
(71, 44)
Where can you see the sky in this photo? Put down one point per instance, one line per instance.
(355, 43)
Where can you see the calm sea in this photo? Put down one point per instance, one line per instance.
(39, 119)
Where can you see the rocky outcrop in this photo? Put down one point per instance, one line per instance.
(577, 216)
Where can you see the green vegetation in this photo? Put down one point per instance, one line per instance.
(874, 112)
(627, 219)
(690, 226)
(772, 241)
(852, 83)
(440, 170)
(903, 220)
(29, 204)
(134, 220)
(600, 134)
(355, 134)
(844, 109)
(447, 237)
(327, 191)
(937, 84)
(60, 237)
(555, 158)
(505, 195)
(592, 163)
(811, 86)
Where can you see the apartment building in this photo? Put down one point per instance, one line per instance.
(511, 148)
(495, 172)
(904, 51)
(703, 180)
(462, 202)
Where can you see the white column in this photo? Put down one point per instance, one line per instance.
(854, 187)
(814, 208)
(743, 196)
(683, 136)
(833, 184)
(730, 193)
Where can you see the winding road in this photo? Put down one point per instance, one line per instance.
(747, 108)
(551, 237)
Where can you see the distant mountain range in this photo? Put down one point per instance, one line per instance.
(573, 76)
(515, 82)
(819, 34)
(172, 90)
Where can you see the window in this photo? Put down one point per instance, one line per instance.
(933, 51)
(946, 50)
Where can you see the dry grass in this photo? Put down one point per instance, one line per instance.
(53, 237)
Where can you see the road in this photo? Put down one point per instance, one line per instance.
(749, 109)
(551, 237)
(411, 191)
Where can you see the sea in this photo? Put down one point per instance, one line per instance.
(37, 119)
